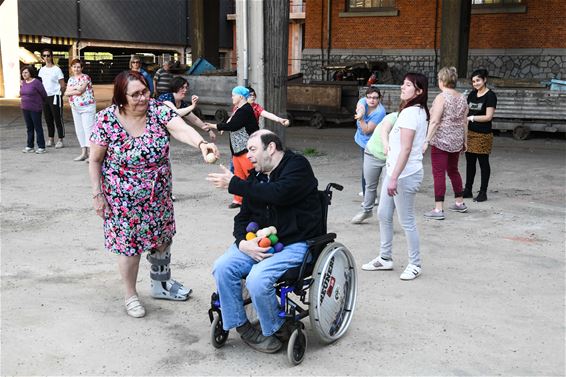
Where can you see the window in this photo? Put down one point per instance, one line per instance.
(498, 6)
(369, 5)
(496, 2)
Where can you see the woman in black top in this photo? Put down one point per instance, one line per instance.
(482, 103)
(241, 125)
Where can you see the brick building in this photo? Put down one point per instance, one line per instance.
(523, 39)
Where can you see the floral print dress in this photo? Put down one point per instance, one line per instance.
(136, 181)
(85, 99)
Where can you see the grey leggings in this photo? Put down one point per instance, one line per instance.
(404, 202)
(372, 171)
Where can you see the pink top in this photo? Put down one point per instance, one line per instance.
(85, 99)
(449, 135)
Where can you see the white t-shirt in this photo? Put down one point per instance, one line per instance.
(413, 118)
(50, 77)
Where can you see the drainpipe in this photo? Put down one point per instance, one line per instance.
(187, 32)
(434, 44)
(245, 41)
(78, 29)
(329, 35)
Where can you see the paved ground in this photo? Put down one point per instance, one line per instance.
(490, 300)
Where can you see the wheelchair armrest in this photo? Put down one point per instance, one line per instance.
(311, 254)
(324, 239)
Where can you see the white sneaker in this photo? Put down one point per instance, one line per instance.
(378, 264)
(27, 150)
(40, 151)
(134, 308)
(410, 272)
(361, 216)
(59, 144)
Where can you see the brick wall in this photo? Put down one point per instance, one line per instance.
(529, 45)
(404, 31)
(542, 26)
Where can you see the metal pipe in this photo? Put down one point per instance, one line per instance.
(187, 32)
(245, 40)
(329, 35)
(78, 7)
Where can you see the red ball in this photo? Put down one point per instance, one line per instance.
(265, 242)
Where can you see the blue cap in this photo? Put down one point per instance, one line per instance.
(241, 91)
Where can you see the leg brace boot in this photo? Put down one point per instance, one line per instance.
(162, 286)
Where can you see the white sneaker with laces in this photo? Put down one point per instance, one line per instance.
(59, 144)
(411, 272)
(378, 264)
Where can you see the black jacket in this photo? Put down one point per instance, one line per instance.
(287, 199)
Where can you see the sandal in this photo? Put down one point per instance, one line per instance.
(134, 308)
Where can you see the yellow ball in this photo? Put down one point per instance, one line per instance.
(250, 236)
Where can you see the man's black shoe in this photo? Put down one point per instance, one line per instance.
(259, 342)
(467, 193)
(234, 205)
(285, 331)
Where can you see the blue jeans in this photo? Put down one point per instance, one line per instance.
(33, 125)
(234, 265)
(404, 202)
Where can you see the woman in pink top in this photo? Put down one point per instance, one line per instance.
(447, 137)
(83, 106)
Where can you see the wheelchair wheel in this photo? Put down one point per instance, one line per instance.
(218, 335)
(332, 295)
(297, 346)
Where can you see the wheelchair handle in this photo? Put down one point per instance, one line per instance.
(334, 186)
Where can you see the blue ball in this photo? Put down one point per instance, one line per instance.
(252, 227)
(271, 250)
(278, 247)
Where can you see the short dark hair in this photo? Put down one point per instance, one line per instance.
(251, 90)
(271, 137)
(31, 69)
(121, 86)
(177, 83)
(48, 50)
(481, 72)
(373, 89)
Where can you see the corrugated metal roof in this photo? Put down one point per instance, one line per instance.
(140, 21)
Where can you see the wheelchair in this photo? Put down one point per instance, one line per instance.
(326, 282)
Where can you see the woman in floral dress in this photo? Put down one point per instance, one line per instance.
(83, 106)
(131, 182)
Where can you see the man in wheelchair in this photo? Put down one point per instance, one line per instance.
(281, 192)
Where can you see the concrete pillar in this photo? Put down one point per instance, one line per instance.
(262, 42)
(249, 42)
(9, 49)
(454, 35)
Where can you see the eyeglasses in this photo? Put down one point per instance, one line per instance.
(46, 56)
(373, 97)
(138, 62)
(139, 95)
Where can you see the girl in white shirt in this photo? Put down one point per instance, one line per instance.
(404, 176)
